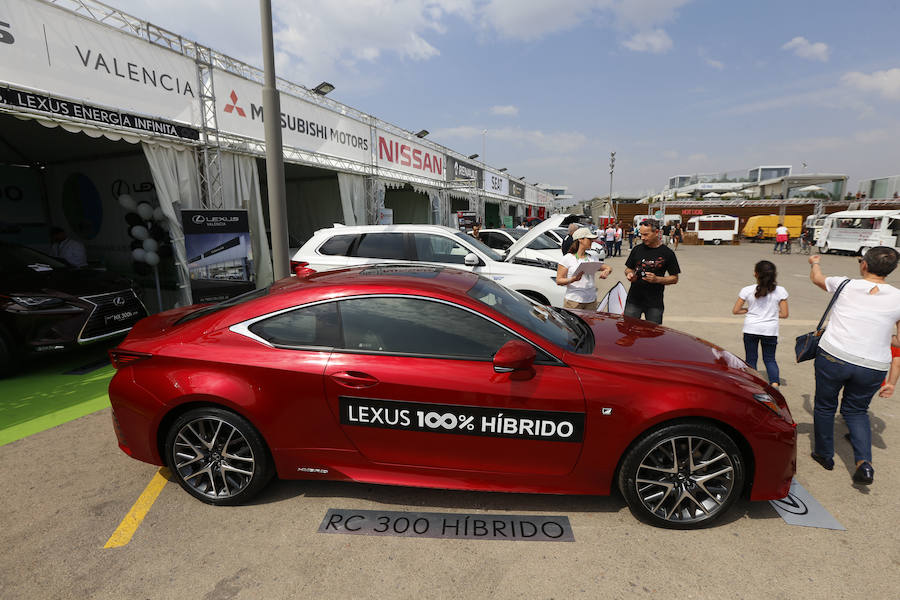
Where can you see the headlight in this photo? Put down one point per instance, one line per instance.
(770, 403)
(37, 301)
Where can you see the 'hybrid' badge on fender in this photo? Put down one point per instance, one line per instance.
(463, 420)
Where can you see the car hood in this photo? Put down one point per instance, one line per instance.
(641, 347)
(532, 234)
(63, 282)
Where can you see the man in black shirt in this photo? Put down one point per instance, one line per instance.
(646, 269)
(568, 241)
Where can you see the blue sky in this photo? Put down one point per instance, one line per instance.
(673, 86)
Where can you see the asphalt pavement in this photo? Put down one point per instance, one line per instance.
(68, 489)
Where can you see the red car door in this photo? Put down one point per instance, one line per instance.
(414, 384)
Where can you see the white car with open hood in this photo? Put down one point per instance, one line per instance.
(338, 247)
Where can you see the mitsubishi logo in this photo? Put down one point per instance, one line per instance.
(234, 106)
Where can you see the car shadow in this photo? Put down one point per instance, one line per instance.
(427, 498)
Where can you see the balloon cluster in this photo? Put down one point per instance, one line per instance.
(148, 229)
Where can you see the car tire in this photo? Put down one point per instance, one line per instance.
(664, 487)
(864, 249)
(218, 456)
(823, 249)
(716, 242)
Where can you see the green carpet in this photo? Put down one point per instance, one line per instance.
(42, 396)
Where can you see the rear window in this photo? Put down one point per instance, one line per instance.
(339, 245)
(208, 310)
(382, 245)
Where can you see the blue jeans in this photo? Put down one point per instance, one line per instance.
(751, 350)
(610, 247)
(859, 384)
(635, 311)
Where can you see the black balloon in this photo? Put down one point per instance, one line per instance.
(135, 244)
(133, 219)
(142, 268)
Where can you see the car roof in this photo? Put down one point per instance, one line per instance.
(399, 228)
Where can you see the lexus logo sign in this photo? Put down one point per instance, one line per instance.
(119, 301)
(199, 219)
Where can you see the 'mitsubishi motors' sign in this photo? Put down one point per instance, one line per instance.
(403, 155)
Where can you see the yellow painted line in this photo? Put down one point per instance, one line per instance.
(123, 533)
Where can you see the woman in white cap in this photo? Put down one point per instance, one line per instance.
(581, 291)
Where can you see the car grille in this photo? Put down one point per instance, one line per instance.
(113, 313)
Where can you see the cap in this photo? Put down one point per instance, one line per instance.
(584, 232)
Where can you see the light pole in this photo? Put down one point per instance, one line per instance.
(483, 137)
(612, 167)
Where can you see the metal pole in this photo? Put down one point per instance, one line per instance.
(274, 151)
(612, 166)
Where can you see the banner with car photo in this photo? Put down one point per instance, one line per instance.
(220, 258)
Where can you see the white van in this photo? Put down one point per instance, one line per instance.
(857, 231)
(714, 228)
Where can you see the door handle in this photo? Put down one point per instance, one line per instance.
(354, 379)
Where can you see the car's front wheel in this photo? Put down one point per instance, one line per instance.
(217, 456)
(682, 476)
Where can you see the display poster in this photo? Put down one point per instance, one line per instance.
(508, 222)
(400, 154)
(385, 216)
(49, 49)
(219, 255)
(466, 218)
(304, 125)
(495, 183)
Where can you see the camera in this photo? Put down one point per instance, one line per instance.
(639, 273)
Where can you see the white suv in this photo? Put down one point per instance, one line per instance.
(340, 246)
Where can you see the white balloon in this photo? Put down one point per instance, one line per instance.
(139, 254)
(145, 211)
(139, 232)
(152, 259)
(127, 202)
(150, 245)
(158, 214)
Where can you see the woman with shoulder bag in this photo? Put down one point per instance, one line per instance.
(854, 355)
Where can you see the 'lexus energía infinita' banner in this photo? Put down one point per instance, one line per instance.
(46, 48)
(303, 125)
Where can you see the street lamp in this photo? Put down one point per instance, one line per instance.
(422, 133)
(323, 88)
(612, 167)
(503, 170)
(483, 137)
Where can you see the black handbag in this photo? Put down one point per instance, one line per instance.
(807, 344)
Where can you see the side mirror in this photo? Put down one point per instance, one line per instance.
(515, 357)
(472, 260)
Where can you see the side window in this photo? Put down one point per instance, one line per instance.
(497, 241)
(315, 325)
(382, 245)
(339, 245)
(416, 326)
(437, 248)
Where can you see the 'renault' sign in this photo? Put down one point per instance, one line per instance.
(515, 528)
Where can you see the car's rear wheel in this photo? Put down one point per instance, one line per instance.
(682, 476)
(217, 456)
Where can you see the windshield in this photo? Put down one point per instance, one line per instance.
(544, 242)
(490, 252)
(555, 326)
(15, 259)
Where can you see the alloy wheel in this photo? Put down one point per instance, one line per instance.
(685, 479)
(213, 458)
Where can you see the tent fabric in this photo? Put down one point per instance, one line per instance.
(312, 204)
(353, 198)
(177, 185)
(240, 182)
(374, 209)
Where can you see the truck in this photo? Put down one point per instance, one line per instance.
(856, 231)
(769, 223)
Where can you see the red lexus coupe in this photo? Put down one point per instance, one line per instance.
(437, 377)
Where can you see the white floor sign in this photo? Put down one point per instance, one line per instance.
(800, 508)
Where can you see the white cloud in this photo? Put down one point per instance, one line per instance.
(656, 41)
(559, 142)
(803, 48)
(507, 110)
(670, 154)
(715, 64)
(886, 83)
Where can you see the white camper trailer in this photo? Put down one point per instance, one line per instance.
(857, 231)
(714, 228)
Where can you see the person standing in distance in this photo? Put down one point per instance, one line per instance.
(646, 269)
(66, 248)
(581, 291)
(567, 241)
(854, 355)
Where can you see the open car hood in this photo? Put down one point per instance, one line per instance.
(532, 234)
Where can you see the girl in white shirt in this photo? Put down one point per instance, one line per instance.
(766, 303)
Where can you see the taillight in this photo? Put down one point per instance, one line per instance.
(301, 269)
(121, 358)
